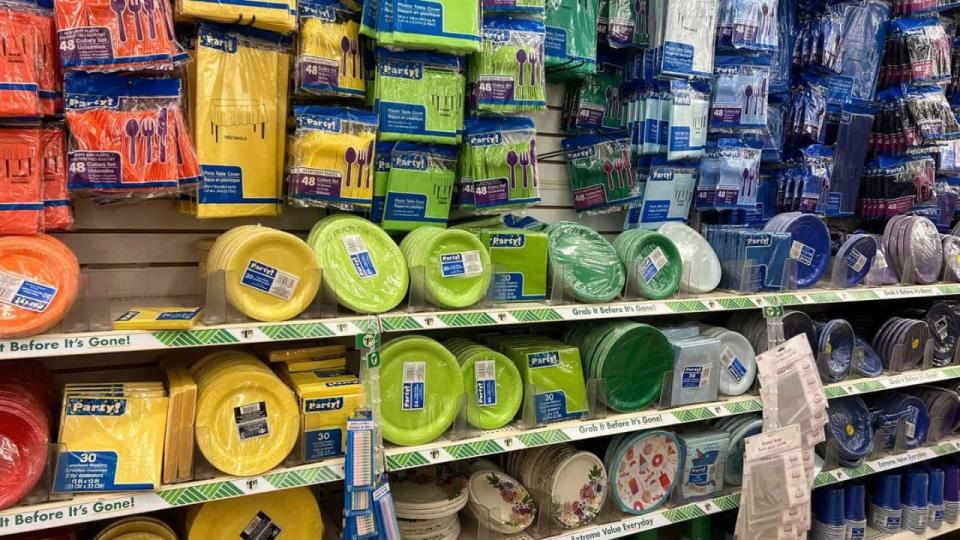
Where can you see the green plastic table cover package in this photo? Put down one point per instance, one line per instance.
(451, 26)
(507, 75)
(498, 166)
(419, 96)
(519, 260)
(551, 370)
(571, 38)
(419, 186)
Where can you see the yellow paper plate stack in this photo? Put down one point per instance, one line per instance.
(270, 275)
(247, 420)
(178, 445)
(137, 528)
(291, 514)
(125, 422)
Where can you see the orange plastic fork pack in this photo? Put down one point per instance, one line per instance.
(57, 213)
(19, 62)
(21, 181)
(110, 35)
(128, 137)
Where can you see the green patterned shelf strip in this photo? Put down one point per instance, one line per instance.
(194, 338)
(199, 494)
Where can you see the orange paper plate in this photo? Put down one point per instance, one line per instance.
(39, 280)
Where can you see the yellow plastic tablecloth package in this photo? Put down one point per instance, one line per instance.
(326, 401)
(329, 57)
(273, 15)
(289, 514)
(240, 114)
(112, 437)
(157, 318)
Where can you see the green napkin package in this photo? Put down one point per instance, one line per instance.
(507, 75)
(519, 260)
(419, 96)
(552, 370)
(498, 166)
(419, 186)
(594, 102)
(381, 177)
(571, 39)
(450, 26)
(601, 172)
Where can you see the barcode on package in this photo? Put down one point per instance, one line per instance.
(25, 293)
(652, 265)
(485, 373)
(261, 527)
(251, 420)
(414, 382)
(467, 263)
(270, 280)
(732, 364)
(802, 253)
(359, 256)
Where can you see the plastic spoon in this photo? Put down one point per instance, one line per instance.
(608, 168)
(748, 91)
(512, 160)
(350, 156)
(132, 129)
(521, 59)
(118, 6)
(344, 49)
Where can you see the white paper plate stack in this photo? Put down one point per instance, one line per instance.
(499, 502)
(427, 501)
(574, 481)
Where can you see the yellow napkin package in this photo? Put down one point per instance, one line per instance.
(273, 15)
(178, 441)
(329, 55)
(157, 318)
(112, 437)
(240, 115)
(332, 156)
(326, 401)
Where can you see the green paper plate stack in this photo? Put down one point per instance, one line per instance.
(585, 263)
(456, 266)
(360, 263)
(491, 382)
(420, 390)
(629, 357)
(551, 370)
(656, 260)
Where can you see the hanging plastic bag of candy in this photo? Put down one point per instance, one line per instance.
(498, 166)
(128, 137)
(601, 171)
(111, 35)
(329, 57)
(331, 158)
(507, 75)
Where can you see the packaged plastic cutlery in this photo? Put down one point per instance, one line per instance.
(596, 101)
(331, 159)
(740, 90)
(498, 166)
(602, 174)
(57, 213)
(419, 186)
(128, 137)
(729, 175)
(111, 35)
(21, 64)
(329, 55)
(21, 180)
(507, 75)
